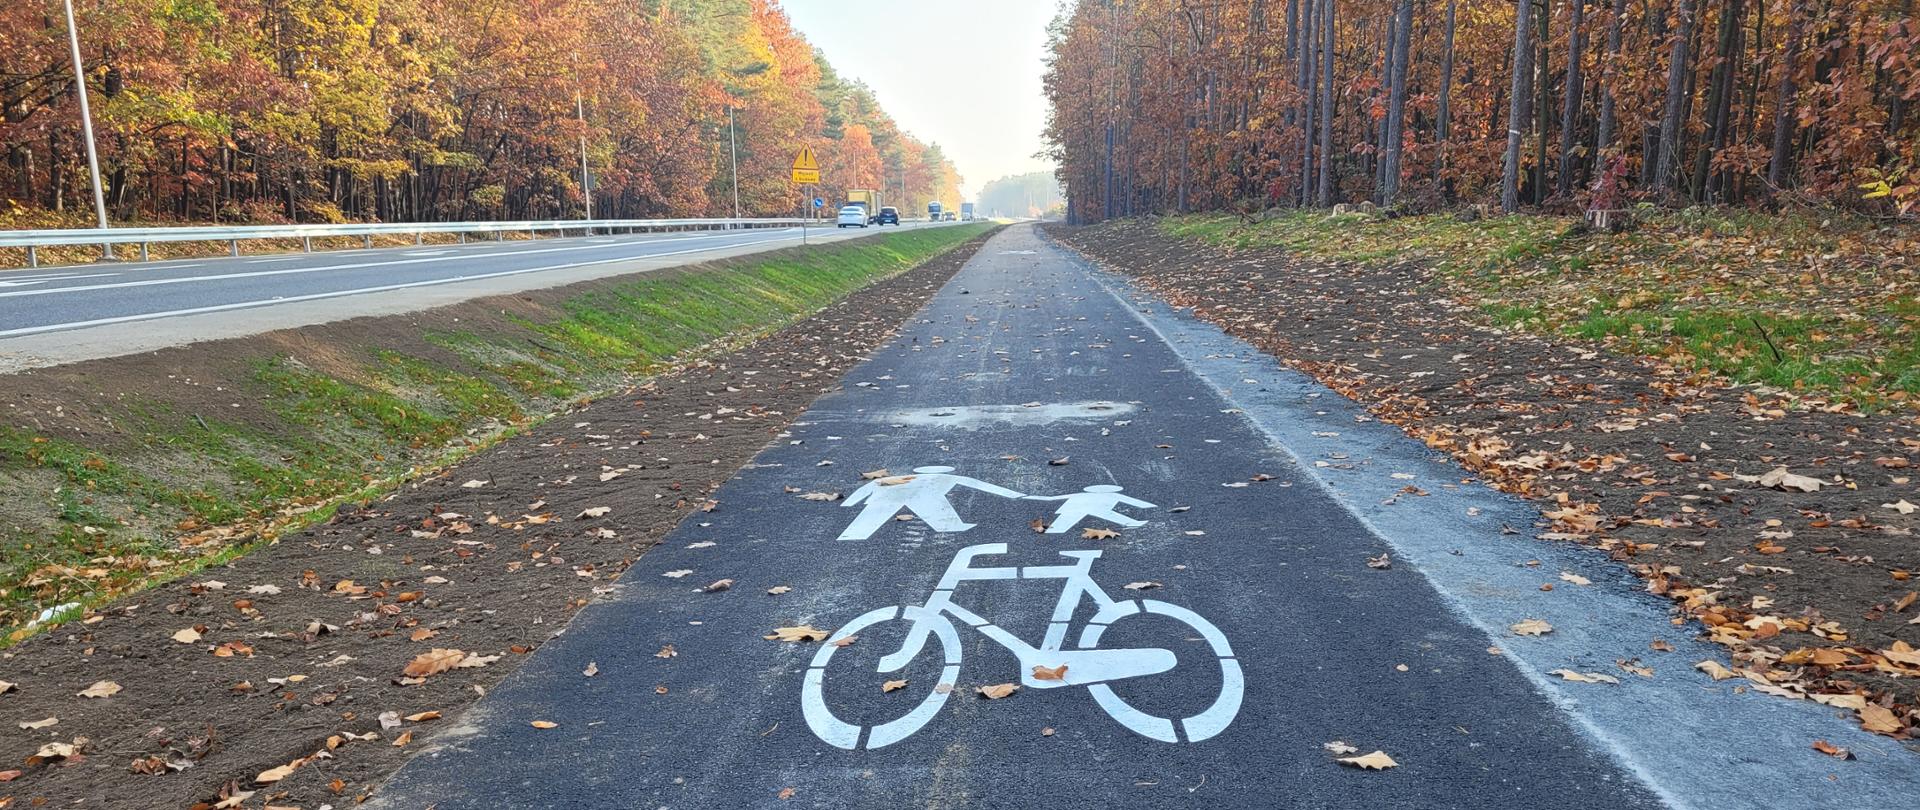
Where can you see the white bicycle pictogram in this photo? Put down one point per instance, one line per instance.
(1087, 665)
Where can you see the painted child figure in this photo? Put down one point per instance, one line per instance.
(924, 494)
(1096, 501)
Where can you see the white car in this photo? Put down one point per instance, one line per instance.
(852, 215)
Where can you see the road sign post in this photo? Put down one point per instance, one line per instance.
(806, 172)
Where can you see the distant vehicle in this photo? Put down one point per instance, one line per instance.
(966, 212)
(852, 215)
(933, 211)
(887, 216)
(949, 217)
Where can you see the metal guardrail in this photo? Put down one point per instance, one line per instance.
(233, 235)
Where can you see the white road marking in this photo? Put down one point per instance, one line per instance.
(21, 282)
(274, 259)
(32, 330)
(1085, 665)
(924, 493)
(357, 265)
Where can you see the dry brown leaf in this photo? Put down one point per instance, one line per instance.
(666, 652)
(1098, 534)
(404, 738)
(1569, 576)
(1382, 562)
(1042, 673)
(1584, 677)
(186, 635)
(872, 474)
(593, 512)
(433, 662)
(1714, 670)
(805, 632)
(892, 685)
(778, 589)
(7, 686)
(1530, 627)
(36, 725)
(998, 690)
(543, 724)
(272, 775)
(1879, 720)
(100, 689)
(1376, 761)
(1141, 586)
(421, 717)
(718, 585)
(1832, 750)
(591, 670)
(1339, 747)
(422, 634)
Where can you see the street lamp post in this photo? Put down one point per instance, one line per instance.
(86, 126)
(586, 181)
(733, 161)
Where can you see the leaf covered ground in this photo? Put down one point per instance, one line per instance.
(304, 673)
(1781, 524)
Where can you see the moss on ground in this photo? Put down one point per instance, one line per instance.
(180, 490)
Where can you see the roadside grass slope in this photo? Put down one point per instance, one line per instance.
(1821, 306)
(130, 470)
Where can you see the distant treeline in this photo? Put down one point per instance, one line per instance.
(1177, 104)
(1020, 195)
(436, 109)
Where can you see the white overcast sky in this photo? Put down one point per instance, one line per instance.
(963, 73)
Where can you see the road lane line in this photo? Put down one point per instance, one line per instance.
(147, 316)
(357, 265)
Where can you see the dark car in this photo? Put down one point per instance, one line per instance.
(887, 216)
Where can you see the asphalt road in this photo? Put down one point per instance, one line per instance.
(66, 298)
(1214, 647)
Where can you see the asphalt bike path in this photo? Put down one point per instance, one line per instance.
(1200, 647)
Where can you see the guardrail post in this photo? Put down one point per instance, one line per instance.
(419, 237)
(306, 243)
(366, 240)
(463, 237)
(234, 246)
(33, 256)
(143, 251)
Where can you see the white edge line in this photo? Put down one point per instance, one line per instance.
(1542, 685)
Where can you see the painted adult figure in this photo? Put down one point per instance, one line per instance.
(924, 494)
(1096, 501)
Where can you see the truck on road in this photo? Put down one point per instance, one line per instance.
(966, 212)
(933, 211)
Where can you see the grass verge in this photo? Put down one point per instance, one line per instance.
(1819, 307)
(124, 471)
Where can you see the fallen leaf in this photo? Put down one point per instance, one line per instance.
(474, 484)
(718, 585)
(1902, 507)
(544, 724)
(404, 738)
(1781, 479)
(1339, 747)
(785, 793)
(7, 686)
(1832, 750)
(872, 474)
(100, 689)
(805, 632)
(591, 670)
(1059, 462)
(1879, 720)
(1141, 586)
(666, 652)
(1584, 677)
(1382, 562)
(998, 690)
(593, 512)
(186, 635)
(1714, 670)
(778, 589)
(1376, 761)
(677, 574)
(433, 662)
(1530, 627)
(421, 717)
(892, 685)
(1098, 534)
(36, 725)
(475, 661)
(1569, 576)
(422, 634)
(1042, 673)
(272, 775)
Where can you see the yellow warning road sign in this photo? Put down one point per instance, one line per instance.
(805, 168)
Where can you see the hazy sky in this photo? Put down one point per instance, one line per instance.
(961, 73)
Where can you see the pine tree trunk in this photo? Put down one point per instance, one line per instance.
(1570, 108)
(1397, 102)
(1784, 99)
(1671, 118)
(1443, 114)
(1603, 138)
(1517, 104)
(1325, 194)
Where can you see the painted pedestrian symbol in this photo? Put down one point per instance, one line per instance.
(1087, 664)
(1096, 501)
(924, 493)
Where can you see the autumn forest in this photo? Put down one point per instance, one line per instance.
(1568, 105)
(396, 110)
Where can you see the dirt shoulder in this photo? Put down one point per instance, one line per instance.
(297, 654)
(1786, 529)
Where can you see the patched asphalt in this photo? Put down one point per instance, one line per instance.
(1026, 359)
